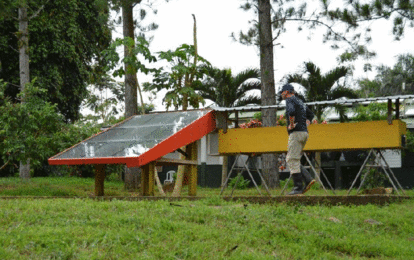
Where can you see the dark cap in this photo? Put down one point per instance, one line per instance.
(287, 87)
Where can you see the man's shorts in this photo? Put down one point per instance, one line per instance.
(296, 143)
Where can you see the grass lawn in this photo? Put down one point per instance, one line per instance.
(84, 187)
(82, 228)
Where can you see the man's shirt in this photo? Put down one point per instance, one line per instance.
(295, 107)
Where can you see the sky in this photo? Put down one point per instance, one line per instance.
(217, 19)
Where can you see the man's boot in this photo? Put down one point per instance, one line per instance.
(298, 185)
(309, 181)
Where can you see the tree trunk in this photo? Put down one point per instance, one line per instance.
(24, 170)
(140, 96)
(132, 175)
(268, 93)
(132, 178)
(131, 81)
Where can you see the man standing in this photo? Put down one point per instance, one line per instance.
(299, 117)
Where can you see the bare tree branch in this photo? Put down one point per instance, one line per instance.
(320, 23)
(38, 11)
(4, 165)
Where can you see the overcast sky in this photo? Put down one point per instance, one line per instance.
(217, 19)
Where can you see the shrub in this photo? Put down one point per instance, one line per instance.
(241, 185)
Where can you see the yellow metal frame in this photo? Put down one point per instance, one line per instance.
(322, 137)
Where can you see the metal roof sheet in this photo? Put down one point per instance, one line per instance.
(347, 102)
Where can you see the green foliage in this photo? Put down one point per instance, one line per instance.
(147, 108)
(375, 178)
(258, 116)
(372, 112)
(138, 47)
(227, 90)
(104, 97)
(241, 185)
(401, 11)
(28, 129)
(347, 27)
(62, 49)
(180, 78)
(320, 87)
(409, 141)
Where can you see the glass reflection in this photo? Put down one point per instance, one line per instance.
(133, 137)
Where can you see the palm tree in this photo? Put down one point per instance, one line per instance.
(320, 87)
(226, 90)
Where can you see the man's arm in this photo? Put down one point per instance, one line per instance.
(290, 111)
(309, 115)
(292, 123)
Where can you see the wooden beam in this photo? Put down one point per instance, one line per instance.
(147, 179)
(99, 179)
(192, 182)
(168, 161)
(182, 152)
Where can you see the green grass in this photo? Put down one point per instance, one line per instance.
(84, 187)
(211, 228)
(57, 186)
(205, 229)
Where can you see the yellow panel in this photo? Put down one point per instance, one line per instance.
(322, 137)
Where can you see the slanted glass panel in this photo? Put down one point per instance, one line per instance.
(133, 137)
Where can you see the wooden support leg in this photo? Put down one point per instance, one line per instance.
(147, 179)
(159, 185)
(144, 180)
(99, 179)
(192, 182)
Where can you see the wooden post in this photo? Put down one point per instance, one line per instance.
(192, 182)
(147, 179)
(157, 180)
(397, 108)
(144, 177)
(389, 112)
(237, 118)
(99, 179)
(151, 179)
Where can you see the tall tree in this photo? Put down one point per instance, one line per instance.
(398, 80)
(132, 87)
(23, 35)
(36, 52)
(268, 94)
(62, 50)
